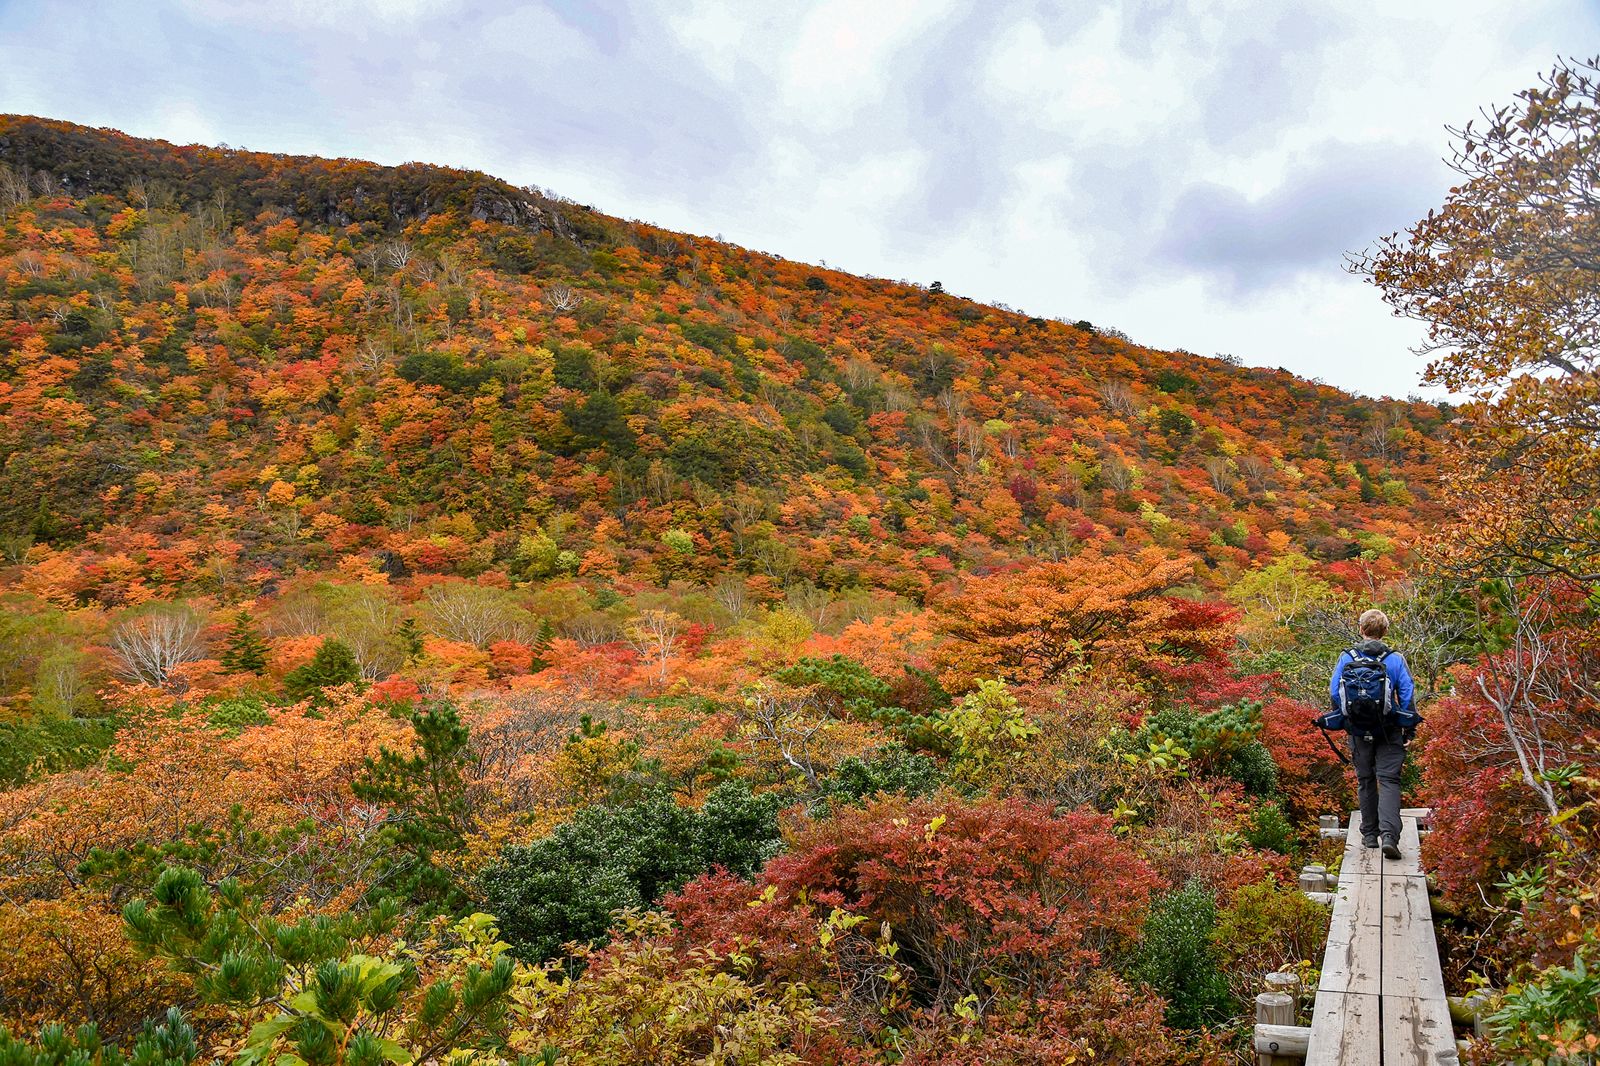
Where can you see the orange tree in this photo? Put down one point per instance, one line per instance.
(1504, 275)
(1039, 622)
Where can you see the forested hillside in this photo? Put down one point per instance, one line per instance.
(440, 616)
(277, 364)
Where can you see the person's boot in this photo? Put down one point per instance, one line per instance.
(1369, 840)
(1391, 846)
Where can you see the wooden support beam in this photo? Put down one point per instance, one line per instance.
(1275, 1011)
(1471, 1008)
(1281, 1042)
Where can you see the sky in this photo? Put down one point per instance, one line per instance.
(1191, 173)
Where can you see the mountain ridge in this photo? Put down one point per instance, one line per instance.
(43, 142)
(325, 323)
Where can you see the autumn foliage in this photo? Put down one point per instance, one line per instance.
(809, 668)
(1037, 623)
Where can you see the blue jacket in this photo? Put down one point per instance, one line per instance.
(1400, 683)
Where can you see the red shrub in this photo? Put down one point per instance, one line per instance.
(1104, 1020)
(1485, 821)
(509, 658)
(1311, 778)
(720, 912)
(395, 690)
(1181, 844)
(997, 889)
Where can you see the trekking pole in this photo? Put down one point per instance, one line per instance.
(1334, 747)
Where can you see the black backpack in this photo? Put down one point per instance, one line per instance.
(1364, 691)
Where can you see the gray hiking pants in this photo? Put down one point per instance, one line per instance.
(1377, 764)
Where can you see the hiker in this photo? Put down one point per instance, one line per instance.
(1374, 700)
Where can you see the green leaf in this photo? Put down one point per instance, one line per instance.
(394, 1051)
(262, 1034)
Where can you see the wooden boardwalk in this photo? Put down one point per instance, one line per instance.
(1380, 1000)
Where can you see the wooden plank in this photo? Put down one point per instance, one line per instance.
(1364, 860)
(1410, 952)
(1357, 858)
(1357, 900)
(1344, 1031)
(1416, 1032)
(1410, 861)
(1352, 960)
(1355, 889)
(1380, 999)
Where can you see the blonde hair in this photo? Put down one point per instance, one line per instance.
(1373, 623)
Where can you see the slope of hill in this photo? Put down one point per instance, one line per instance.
(827, 668)
(221, 368)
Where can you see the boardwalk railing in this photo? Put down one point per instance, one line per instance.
(1380, 998)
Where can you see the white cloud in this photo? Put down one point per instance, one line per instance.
(730, 41)
(1085, 86)
(184, 122)
(843, 55)
(303, 13)
(536, 36)
(858, 195)
(1186, 170)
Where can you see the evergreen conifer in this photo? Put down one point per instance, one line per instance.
(246, 652)
(333, 664)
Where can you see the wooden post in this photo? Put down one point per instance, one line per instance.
(1328, 821)
(1314, 878)
(1275, 1009)
(1287, 983)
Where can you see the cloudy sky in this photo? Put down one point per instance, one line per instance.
(1189, 172)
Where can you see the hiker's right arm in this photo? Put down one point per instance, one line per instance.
(1338, 672)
